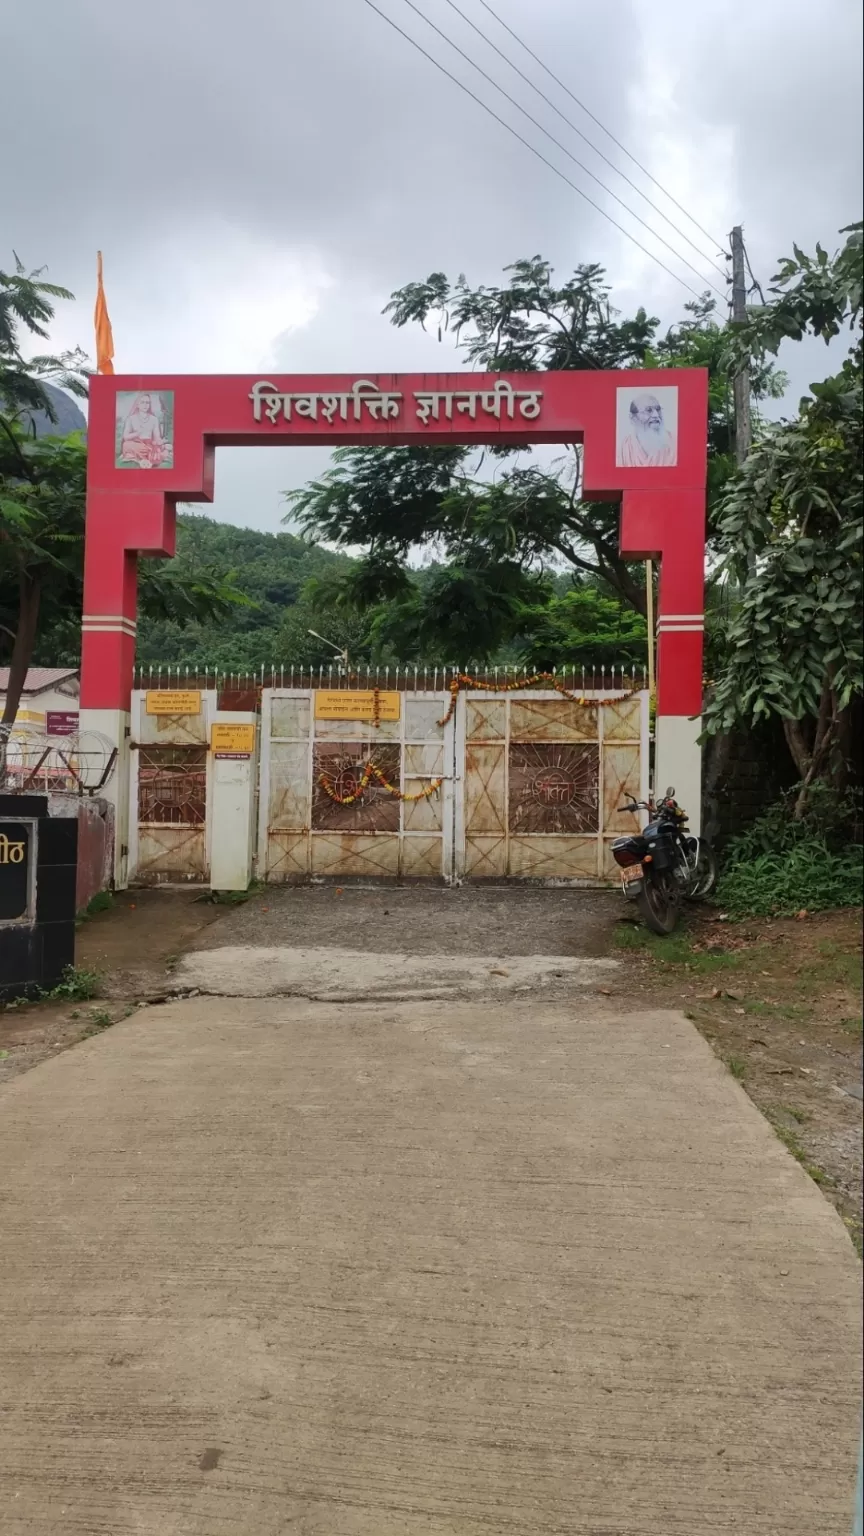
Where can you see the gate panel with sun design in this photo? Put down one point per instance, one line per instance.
(543, 782)
(553, 788)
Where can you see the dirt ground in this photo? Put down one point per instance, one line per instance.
(122, 957)
(780, 1001)
(426, 920)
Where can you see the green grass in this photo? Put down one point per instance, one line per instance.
(793, 1145)
(837, 965)
(851, 1026)
(98, 1019)
(799, 1115)
(676, 949)
(737, 1066)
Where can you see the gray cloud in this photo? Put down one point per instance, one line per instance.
(260, 179)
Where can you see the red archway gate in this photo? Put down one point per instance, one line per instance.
(152, 442)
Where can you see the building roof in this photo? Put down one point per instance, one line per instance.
(40, 678)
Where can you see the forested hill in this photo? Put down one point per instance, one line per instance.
(271, 569)
(570, 622)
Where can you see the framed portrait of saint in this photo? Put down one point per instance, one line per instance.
(144, 429)
(646, 434)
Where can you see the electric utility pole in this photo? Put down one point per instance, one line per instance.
(741, 382)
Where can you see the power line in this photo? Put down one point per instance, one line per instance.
(564, 150)
(590, 142)
(601, 126)
(510, 129)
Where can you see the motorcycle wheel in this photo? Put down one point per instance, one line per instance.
(658, 904)
(705, 874)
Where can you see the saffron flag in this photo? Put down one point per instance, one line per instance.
(104, 337)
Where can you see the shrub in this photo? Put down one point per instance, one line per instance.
(780, 866)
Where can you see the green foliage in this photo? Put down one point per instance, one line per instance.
(584, 627)
(807, 878)
(828, 817)
(499, 538)
(26, 301)
(792, 524)
(811, 295)
(531, 323)
(427, 614)
(790, 529)
(783, 864)
(42, 488)
(42, 504)
(98, 1019)
(77, 986)
(270, 624)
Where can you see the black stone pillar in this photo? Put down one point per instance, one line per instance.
(38, 870)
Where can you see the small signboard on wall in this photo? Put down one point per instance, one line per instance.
(173, 701)
(355, 704)
(232, 741)
(15, 837)
(61, 722)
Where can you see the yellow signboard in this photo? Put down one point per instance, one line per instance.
(235, 740)
(173, 701)
(353, 704)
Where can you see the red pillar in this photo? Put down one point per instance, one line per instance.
(120, 526)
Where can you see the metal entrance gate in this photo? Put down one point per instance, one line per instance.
(542, 782)
(531, 784)
(304, 832)
(169, 794)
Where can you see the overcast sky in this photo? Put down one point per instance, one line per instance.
(261, 177)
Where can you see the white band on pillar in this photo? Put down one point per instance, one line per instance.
(683, 622)
(109, 623)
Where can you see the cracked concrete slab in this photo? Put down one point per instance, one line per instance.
(349, 975)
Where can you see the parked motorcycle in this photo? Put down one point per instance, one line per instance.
(664, 865)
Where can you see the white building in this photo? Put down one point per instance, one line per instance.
(47, 716)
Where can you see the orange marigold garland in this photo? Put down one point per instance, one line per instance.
(462, 680)
(370, 772)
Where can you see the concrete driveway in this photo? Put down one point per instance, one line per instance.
(453, 1268)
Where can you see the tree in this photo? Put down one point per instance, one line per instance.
(583, 627)
(42, 491)
(42, 507)
(271, 629)
(43, 496)
(790, 528)
(26, 301)
(527, 519)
